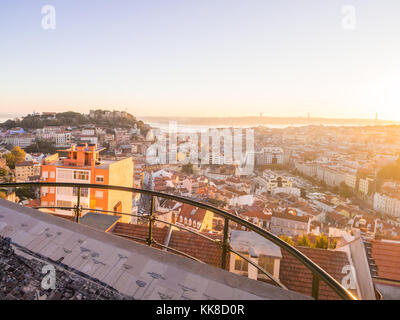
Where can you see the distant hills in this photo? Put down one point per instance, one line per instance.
(101, 118)
(255, 121)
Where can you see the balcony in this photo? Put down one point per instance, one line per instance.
(150, 269)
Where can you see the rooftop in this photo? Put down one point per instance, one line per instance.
(126, 267)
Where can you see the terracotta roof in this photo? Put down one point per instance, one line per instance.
(184, 241)
(140, 231)
(295, 276)
(386, 256)
(190, 212)
(284, 215)
(25, 164)
(257, 214)
(197, 246)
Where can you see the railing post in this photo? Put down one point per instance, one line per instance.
(151, 223)
(225, 244)
(315, 287)
(78, 206)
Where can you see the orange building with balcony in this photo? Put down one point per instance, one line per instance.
(84, 165)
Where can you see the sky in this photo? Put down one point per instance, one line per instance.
(202, 58)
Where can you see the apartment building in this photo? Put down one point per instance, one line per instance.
(83, 165)
(26, 169)
(22, 140)
(289, 223)
(350, 180)
(387, 203)
(275, 181)
(58, 135)
(271, 155)
(365, 185)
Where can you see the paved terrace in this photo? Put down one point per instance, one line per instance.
(119, 267)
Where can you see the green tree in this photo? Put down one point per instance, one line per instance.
(345, 191)
(304, 241)
(25, 193)
(187, 168)
(42, 146)
(10, 160)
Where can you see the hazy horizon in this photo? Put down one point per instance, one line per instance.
(205, 58)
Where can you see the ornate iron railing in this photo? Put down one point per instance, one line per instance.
(317, 272)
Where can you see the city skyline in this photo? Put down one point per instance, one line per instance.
(208, 59)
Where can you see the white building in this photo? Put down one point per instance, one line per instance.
(257, 249)
(271, 155)
(285, 223)
(387, 204)
(21, 140)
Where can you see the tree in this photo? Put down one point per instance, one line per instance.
(345, 191)
(287, 239)
(42, 146)
(304, 241)
(321, 241)
(187, 168)
(16, 155)
(19, 154)
(10, 160)
(25, 193)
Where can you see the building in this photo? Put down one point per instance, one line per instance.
(387, 203)
(350, 180)
(365, 185)
(272, 155)
(106, 266)
(275, 181)
(289, 223)
(194, 218)
(83, 165)
(22, 140)
(26, 169)
(257, 249)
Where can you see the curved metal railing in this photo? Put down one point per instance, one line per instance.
(317, 272)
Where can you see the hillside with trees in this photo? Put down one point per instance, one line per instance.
(76, 119)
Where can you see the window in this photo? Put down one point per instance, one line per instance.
(99, 194)
(241, 265)
(62, 203)
(84, 192)
(64, 174)
(44, 203)
(52, 175)
(100, 179)
(81, 175)
(45, 190)
(45, 174)
(51, 189)
(267, 263)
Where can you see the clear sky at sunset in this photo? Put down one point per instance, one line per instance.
(202, 57)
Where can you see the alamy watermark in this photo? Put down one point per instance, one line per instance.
(49, 17)
(348, 280)
(49, 280)
(183, 147)
(349, 18)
